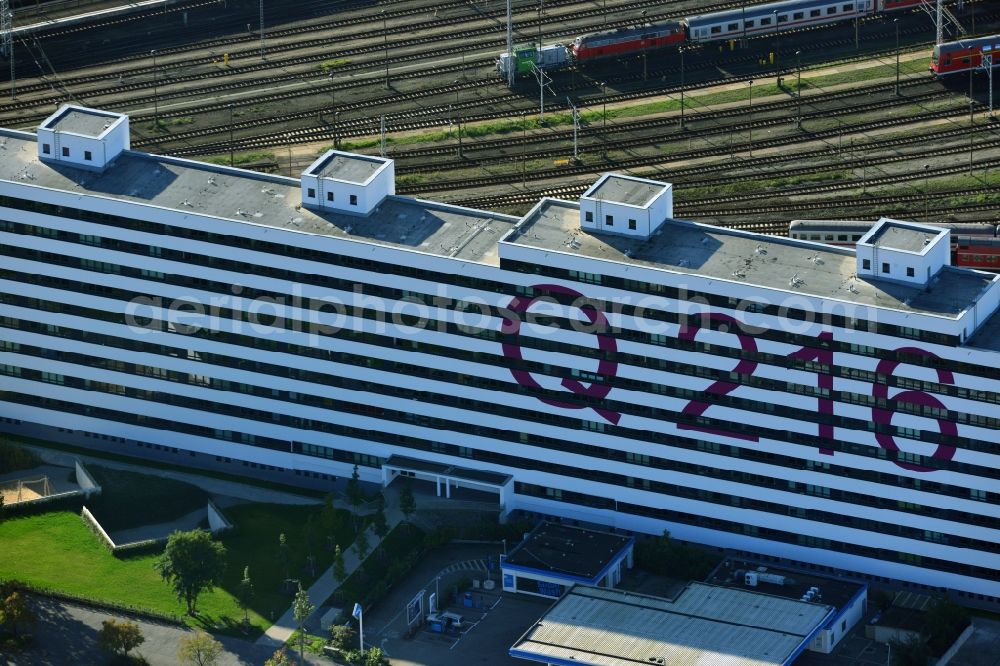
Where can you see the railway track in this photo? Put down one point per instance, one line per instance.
(490, 202)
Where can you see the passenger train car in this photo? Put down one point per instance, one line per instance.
(756, 21)
(963, 55)
(974, 245)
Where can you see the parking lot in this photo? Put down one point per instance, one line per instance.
(490, 622)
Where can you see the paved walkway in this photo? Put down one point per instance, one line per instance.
(279, 632)
(245, 491)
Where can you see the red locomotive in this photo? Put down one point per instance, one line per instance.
(965, 54)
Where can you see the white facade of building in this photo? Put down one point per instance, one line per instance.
(212, 313)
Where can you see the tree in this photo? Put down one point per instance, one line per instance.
(192, 563)
(244, 593)
(407, 504)
(362, 545)
(339, 569)
(330, 521)
(284, 554)
(119, 637)
(379, 524)
(944, 622)
(342, 636)
(302, 608)
(199, 649)
(355, 496)
(374, 657)
(310, 535)
(14, 611)
(279, 658)
(911, 651)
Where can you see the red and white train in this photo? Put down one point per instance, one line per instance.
(753, 21)
(965, 54)
(974, 245)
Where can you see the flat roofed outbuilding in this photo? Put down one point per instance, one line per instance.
(704, 625)
(78, 120)
(775, 263)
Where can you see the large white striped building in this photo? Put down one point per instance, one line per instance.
(765, 395)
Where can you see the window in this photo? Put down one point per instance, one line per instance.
(814, 13)
(588, 216)
(815, 237)
(849, 8)
(329, 196)
(831, 10)
(311, 193)
(609, 220)
(716, 29)
(782, 18)
(885, 267)
(798, 16)
(354, 199)
(856, 237)
(87, 156)
(909, 271)
(766, 20)
(733, 27)
(866, 264)
(631, 225)
(65, 151)
(748, 24)
(46, 148)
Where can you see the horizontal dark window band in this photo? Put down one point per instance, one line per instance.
(737, 403)
(792, 463)
(629, 334)
(292, 251)
(727, 500)
(623, 357)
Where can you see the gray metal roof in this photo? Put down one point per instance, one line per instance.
(273, 201)
(754, 12)
(79, 121)
(630, 191)
(897, 236)
(351, 168)
(703, 626)
(988, 335)
(765, 261)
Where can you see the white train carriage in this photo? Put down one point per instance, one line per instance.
(774, 18)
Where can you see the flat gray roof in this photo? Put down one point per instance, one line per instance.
(898, 236)
(703, 625)
(625, 190)
(764, 261)
(245, 196)
(85, 122)
(352, 168)
(562, 549)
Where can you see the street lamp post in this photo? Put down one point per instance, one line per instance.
(798, 88)
(385, 44)
(230, 106)
(926, 192)
(682, 88)
(156, 103)
(458, 118)
(895, 22)
(750, 124)
(604, 99)
(777, 48)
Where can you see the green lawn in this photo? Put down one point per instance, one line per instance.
(254, 542)
(130, 500)
(57, 551)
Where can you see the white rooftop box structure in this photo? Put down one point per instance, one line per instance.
(626, 205)
(348, 183)
(82, 137)
(903, 251)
